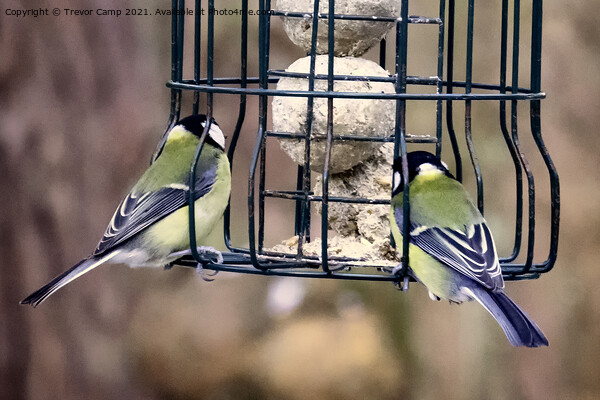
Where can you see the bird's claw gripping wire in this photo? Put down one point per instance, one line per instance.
(402, 286)
(218, 259)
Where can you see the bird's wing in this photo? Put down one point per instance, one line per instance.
(137, 211)
(471, 252)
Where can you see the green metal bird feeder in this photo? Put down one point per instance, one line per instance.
(441, 92)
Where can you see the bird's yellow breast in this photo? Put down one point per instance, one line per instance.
(172, 233)
(434, 275)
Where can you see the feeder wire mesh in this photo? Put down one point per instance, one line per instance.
(256, 259)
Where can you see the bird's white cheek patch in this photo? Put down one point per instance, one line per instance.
(397, 179)
(216, 134)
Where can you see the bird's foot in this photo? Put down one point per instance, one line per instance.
(218, 257)
(402, 286)
(211, 250)
(204, 274)
(405, 283)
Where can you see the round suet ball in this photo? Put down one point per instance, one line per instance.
(370, 179)
(352, 38)
(351, 117)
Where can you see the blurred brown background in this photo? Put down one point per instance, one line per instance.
(82, 104)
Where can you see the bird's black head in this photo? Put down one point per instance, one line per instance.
(196, 124)
(418, 162)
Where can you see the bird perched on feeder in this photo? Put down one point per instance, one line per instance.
(150, 227)
(451, 248)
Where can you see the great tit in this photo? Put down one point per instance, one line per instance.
(451, 248)
(150, 226)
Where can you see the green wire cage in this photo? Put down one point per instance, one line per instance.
(506, 93)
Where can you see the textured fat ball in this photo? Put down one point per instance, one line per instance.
(352, 38)
(362, 231)
(351, 117)
(369, 179)
(348, 246)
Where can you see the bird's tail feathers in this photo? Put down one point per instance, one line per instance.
(85, 265)
(516, 324)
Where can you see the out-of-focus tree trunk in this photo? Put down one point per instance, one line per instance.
(15, 345)
(68, 90)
